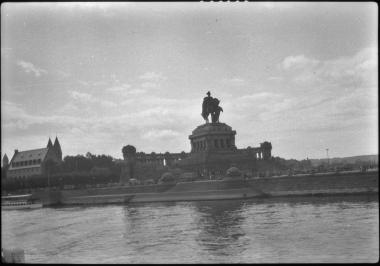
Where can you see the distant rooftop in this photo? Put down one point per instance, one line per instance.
(30, 155)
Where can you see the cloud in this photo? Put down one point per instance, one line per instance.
(120, 88)
(152, 76)
(151, 80)
(83, 82)
(149, 85)
(124, 90)
(330, 96)
(6, 52)
(16, 118)
(30, 68)
(160, 134)
(86, 98)
(63, 74)
(274, 78)
(359, 69)
(258, 97)
(236, 81)
(298, 61)
(272, 5)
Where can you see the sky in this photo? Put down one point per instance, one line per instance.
(104, 75)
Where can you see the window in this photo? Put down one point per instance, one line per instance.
(227, 143)
(216, 143)
(222, 143)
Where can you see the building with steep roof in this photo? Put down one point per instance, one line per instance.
(29, 163)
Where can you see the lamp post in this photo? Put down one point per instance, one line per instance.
(327, 155)
(48, 176)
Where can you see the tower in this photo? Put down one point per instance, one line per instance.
(129, 163)
(5, 160)
(49, 145)
(57, 148)
(266, 148)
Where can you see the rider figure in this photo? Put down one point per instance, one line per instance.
(206, 106)
(211, 106)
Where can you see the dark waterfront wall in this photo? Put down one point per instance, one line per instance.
(347, 183)
(324, 183)
(66, 194)
(48, 197)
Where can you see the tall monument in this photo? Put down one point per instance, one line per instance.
(214, 136)
(213, 146)
(213, 150)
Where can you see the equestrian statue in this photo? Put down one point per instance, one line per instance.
(211, 106)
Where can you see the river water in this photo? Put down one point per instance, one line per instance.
(281, 230)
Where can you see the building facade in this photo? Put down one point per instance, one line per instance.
(25, 164)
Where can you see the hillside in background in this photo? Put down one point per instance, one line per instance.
(347, 160)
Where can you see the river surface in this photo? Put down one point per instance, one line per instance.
(281, 230)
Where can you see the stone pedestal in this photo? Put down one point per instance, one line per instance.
(212, 137)
(213, 149)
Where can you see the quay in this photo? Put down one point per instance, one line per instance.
(302, 185)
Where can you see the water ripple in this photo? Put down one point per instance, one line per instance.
(336, 229)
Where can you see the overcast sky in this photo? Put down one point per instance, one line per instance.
(100, 76)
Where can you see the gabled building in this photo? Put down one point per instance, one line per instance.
(29, 163)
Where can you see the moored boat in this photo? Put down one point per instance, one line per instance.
(17, 202)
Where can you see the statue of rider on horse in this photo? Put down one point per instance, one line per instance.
(211, 106)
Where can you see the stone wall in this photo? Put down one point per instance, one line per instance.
(65, 194)
(323, 183)
(347, 183)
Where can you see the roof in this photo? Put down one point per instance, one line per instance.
(56, 142)
(16, 196)
(30, 155)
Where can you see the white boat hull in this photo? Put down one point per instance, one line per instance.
(19, 207)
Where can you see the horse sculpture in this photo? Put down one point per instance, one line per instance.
(211, 106)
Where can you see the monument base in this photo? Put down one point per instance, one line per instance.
(215, 137)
